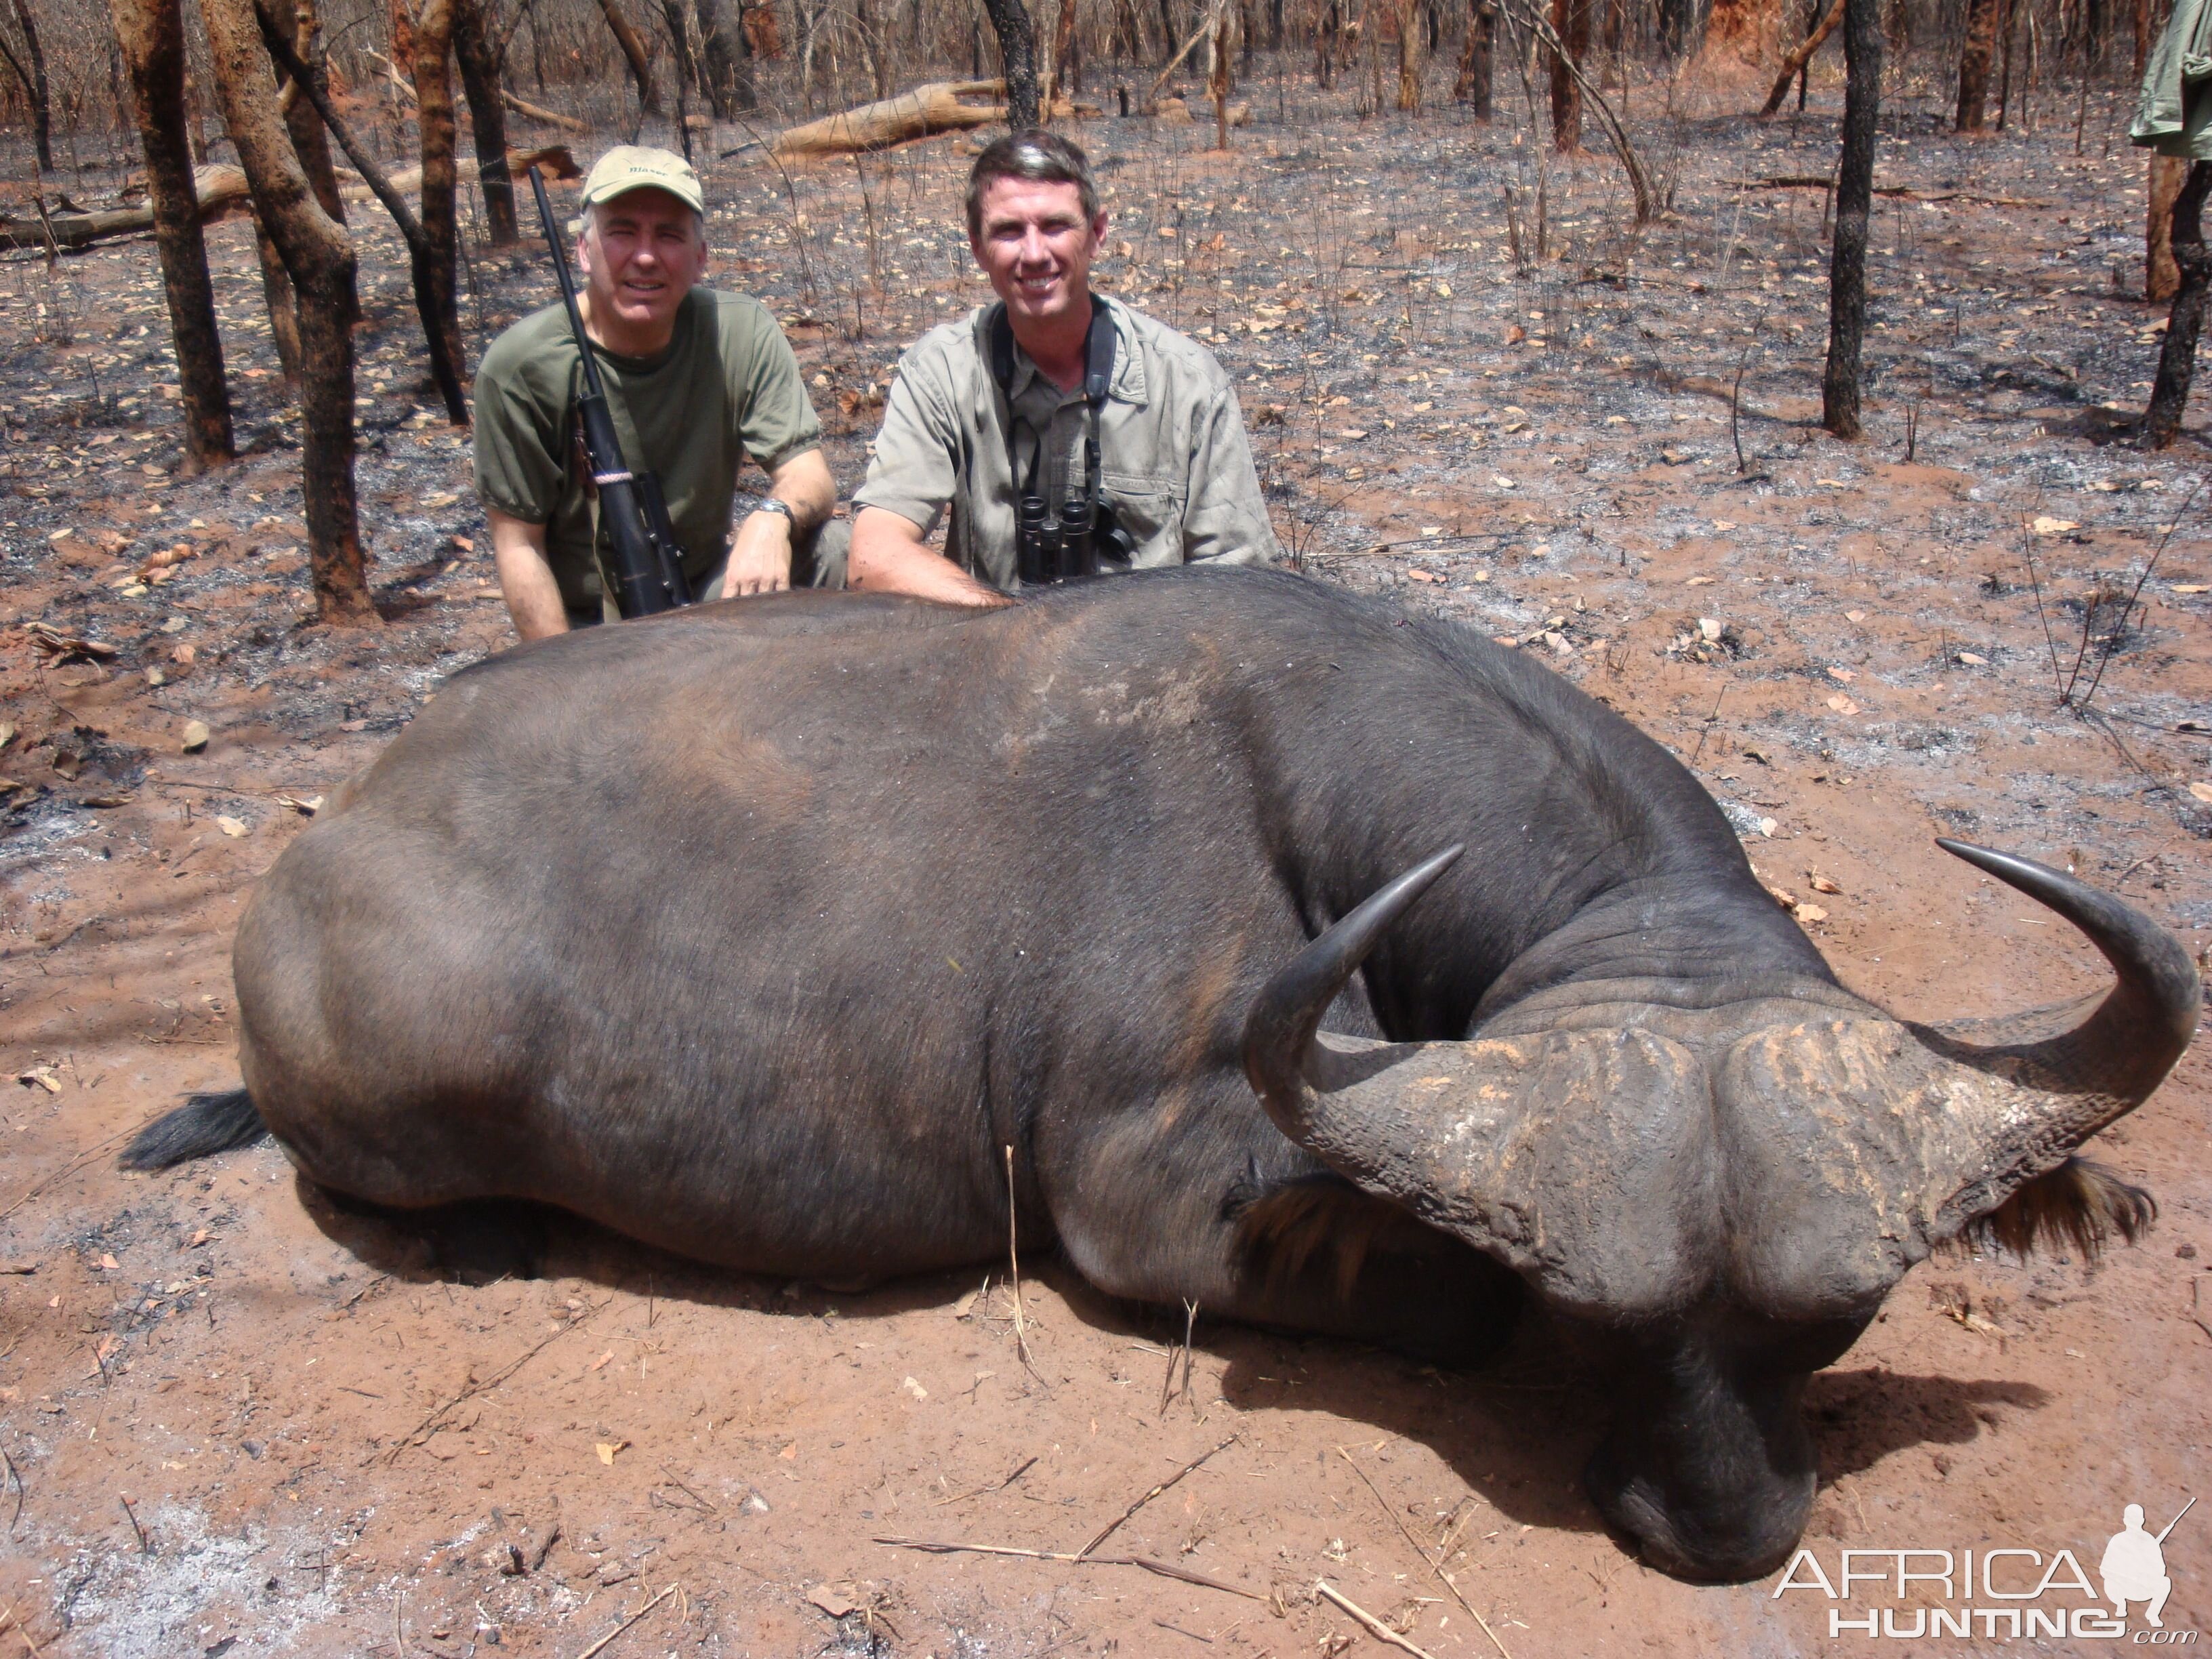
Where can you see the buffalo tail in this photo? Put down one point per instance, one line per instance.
(203, 1126)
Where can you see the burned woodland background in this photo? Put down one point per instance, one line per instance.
(1549, 350)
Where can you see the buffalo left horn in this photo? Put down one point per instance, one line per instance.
(1444, 1128)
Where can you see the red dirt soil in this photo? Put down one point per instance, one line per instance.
(236, 1421)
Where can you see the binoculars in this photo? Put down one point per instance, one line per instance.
(1057, 550)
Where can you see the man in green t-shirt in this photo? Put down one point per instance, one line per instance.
(697, 381)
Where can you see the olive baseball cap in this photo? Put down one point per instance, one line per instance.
(638, 166)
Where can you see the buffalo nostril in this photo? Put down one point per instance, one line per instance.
(1760, 1531)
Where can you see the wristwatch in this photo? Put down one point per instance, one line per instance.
(770, 504)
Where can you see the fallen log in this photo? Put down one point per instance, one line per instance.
(219, 187)
(534, 112)
(931, 108)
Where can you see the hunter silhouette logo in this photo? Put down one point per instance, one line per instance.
(2006, 1594)
(2134, 1567)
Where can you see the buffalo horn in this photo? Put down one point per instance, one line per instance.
(1279, 1032)
(2124, 1048)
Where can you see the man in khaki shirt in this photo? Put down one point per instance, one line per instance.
(697, 382)
(1174, 463)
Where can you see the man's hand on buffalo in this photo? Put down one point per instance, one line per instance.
(890, 555)
(761, 545)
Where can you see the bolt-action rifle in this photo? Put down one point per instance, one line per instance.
(648, 564)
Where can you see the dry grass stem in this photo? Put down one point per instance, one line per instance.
(600, 1646)
(1435, 1563)
(1165, 1570)
(1111, 1526)
(1375, 1627)
(1014, 1272)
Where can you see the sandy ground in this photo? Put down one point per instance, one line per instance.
(237, 1422)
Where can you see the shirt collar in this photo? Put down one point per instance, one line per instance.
(1128, 386)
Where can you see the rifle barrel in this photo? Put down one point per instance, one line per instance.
(592, 387)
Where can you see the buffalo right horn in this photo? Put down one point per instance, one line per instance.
(1444, 1128)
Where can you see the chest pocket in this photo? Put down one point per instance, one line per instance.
(1151, 510)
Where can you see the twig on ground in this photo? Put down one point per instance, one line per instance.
(707, 1505)
(1168, 1389)
(2035, 586)
(996, 1486)
(600, 1645)
(1164, 1569)
(145, 1544)
(1014, 1275)
(1735, 404)
(1435, 1563)
(16, 1475)
(10, 1616)
(381, 1278)
(2112, 640)
(2197, 1306)
(1705, 730)
(83, 1159)
(422, 1431)
(2121, 880)
(1375, 1627)
(1111, 1526)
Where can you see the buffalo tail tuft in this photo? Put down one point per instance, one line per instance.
(203, 1126)
(2079, 1203)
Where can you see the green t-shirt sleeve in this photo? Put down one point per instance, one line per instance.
(776, 418)
(518, 432)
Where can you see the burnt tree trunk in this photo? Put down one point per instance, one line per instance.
(1793, 66)
(2176, 358)
(1223, 51)
(676, 21)
(151, 36)
(633, 49)
(444, 370)
(1409, 55)
(276, 295)
(1477, 60)
(402, 34)
(437, 271)
(1570, 22)
(320, 257)
(34, 86)
(2161, 277)
(1063, 53)
(728, 67)
(483, 73)
(1839, 384)
(297, 23)
(1975, 54)
(1010, 21)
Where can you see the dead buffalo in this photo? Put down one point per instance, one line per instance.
(758, 932)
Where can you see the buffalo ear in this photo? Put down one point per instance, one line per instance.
(2079, 1203)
